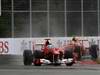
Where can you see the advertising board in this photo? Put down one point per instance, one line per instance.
(16, 46)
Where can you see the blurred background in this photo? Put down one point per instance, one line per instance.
(49, 18)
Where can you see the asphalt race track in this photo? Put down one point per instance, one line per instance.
(13, 65)
(49, 70)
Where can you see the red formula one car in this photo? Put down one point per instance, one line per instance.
(48, 54)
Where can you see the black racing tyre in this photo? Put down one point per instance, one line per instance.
(94, 51)
(27, 57)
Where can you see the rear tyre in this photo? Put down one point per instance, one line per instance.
(94, 51)
(27, 57)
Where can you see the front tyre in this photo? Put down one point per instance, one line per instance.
(27, 57)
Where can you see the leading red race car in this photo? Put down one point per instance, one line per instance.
(48, 54)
